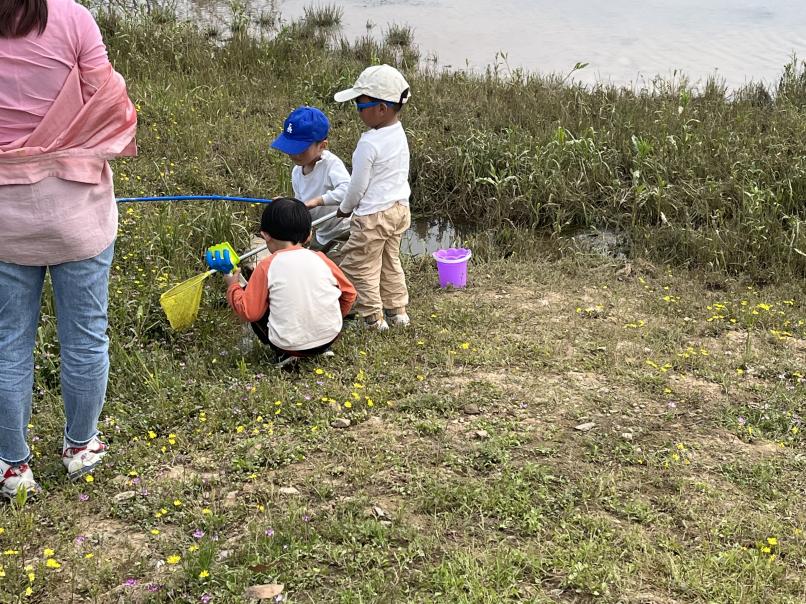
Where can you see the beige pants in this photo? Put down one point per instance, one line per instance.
(372, 261)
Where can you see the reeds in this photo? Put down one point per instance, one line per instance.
(697, 176)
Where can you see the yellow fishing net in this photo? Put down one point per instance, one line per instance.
(181, 302)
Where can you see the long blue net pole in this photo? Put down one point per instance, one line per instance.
(193, 198)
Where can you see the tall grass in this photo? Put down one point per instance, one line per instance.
(697, 177)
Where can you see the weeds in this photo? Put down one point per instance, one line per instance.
(325, 16)
(685, 173)
(399, 35)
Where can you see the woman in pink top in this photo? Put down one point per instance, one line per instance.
(63, 113)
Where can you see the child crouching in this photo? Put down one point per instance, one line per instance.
(296, 298)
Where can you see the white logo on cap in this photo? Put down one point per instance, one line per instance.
(290, 129)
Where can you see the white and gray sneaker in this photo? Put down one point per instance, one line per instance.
(401, 320)
(82, 459)
(379, 325)
(17, 478)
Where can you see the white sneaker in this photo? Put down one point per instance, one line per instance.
(401, 320)
(17, 478)
(80, 460)
(379, 325)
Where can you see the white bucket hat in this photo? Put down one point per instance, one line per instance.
(382, 82)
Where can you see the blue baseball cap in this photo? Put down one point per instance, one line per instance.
(303, 127)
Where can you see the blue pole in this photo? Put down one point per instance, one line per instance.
(193, 198)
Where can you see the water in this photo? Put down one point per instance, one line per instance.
(624, 41)
(427, 236)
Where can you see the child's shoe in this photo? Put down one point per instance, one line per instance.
(82, 459)
(401, 320)
(17, 478)
(285, 361)
(377, 325)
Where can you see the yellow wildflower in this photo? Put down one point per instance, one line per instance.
(204, 574)
(173, 559)
(52, 563)
(48, 553)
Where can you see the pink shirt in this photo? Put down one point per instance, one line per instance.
(57, 201)
(34, 68)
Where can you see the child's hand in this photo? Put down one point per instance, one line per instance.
(340, 214)
(233, 277)
(315, 202)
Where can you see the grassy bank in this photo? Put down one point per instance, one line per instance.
(462, 476)
(702, 178)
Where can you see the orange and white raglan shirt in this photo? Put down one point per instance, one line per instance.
(306, 295)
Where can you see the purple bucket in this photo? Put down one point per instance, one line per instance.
(452, 266)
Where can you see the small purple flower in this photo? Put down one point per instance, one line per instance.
(205, 598)
(130, 582)
(136, 480)
(153, 587)
(198, 533)
(278, 598)
(80, 539)
(270, 532)
(742, 421)
(306, 518)
(307, 397)
(83, 497)
(671, 405)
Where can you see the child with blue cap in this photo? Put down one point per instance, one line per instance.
(319, 177)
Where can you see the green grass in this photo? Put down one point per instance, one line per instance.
(509, 505)
(688, 489)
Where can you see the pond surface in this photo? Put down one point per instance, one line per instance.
(427, 236)
(624, 41)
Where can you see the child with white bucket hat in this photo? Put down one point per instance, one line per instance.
(378, 198)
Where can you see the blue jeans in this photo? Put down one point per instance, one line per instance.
(81, 294)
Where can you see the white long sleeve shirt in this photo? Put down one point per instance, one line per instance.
(380, 172)
(330, 179)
